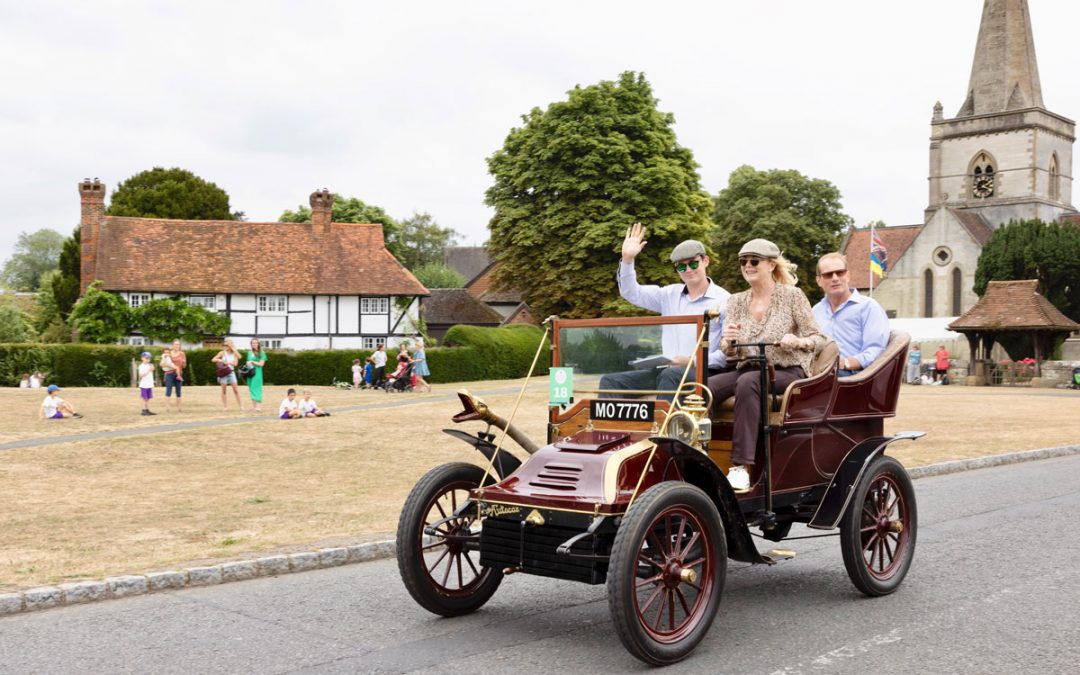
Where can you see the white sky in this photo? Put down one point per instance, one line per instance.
(400, 104)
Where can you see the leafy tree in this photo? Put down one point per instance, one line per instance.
(572, 179)
(35, 253)
(14, 326)
(65, 285)
(1034, 249)
(801, 215)
(421, 241)
(170, 193)
(46, 302)
(439, 275)
(167, 319)
(101, 316)
(353, 210)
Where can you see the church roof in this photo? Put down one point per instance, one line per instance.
(975, 225)
(457, 305)
(1004, 73)
(1014, 306)
(896, 239)
(233, 256)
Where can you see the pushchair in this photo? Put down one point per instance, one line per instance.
(400, 379)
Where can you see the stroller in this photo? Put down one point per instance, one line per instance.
(400, 379)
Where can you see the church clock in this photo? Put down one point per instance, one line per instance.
(983, 186)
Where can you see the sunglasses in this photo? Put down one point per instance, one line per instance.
(693, 264)
(753, 262)
(832, 275)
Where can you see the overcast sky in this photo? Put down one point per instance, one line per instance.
(401, 103)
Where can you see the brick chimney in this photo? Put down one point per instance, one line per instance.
(322, 202)
(92, 202)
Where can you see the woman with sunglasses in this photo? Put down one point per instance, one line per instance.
(773, 309)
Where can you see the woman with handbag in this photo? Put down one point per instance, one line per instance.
(225, 363)
(253, 373)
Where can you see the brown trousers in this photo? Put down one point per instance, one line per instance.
(745, 384)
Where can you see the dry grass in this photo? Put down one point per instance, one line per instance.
(93, 508)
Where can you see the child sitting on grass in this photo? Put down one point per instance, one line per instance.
(309, 408)
(289, 408)
(54, 407)
(146, 383)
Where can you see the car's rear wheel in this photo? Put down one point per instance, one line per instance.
(877, 532)
(442, 571)
(666, 572)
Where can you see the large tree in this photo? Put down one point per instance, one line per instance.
(65, 284)
(801, 215)
(170, 193)
(572, 179)
(101, 316)
(438, 275)
(35, 253)
(422, 240)
(353, 210)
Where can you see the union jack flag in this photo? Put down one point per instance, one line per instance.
(879, 256)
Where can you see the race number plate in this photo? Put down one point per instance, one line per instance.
(622, 411)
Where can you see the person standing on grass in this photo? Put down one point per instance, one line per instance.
(146, 383)
(941, 365)
(257, 358)
(357, 375)
(225, 363)
(378, 360)
(914, 361)
(173, 362)
(54, 407)
(420, 368)
(369, 368)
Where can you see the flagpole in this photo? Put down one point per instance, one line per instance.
(871, 261)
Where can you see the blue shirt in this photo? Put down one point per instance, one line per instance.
(674, 300)
(858, 325)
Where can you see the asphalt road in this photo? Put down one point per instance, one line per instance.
(993, 589)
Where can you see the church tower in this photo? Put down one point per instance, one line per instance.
(1004, 155)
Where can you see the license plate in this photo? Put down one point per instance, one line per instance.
(622, 411)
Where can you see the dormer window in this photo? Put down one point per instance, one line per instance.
(982, 177)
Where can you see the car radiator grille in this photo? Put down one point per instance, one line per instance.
(501, 547)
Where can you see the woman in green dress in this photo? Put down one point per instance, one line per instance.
(256, 357)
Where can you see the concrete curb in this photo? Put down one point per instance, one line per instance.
(124, 586)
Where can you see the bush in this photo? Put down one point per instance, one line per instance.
(472, 353)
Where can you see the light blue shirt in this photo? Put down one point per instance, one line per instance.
(674, 300)
(858, 325)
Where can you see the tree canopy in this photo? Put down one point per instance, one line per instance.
(421, 241)
(166, 319)
(14, 326)
(801, 215)
(572, 179)
(353, 210)
(35, 253)
(101, 316)
(170, 193)
(438, 275)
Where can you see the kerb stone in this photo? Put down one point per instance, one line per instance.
(300, 562)
(10, 603)
(332, 557)
(161, 581)
(42, 598)
(239, 571)
(273, 565)
(130, 584)
(78, 592)
(204, 576)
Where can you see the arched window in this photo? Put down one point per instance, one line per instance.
(1055, 179)
(957, 291)
(928, 293)
(982, 176)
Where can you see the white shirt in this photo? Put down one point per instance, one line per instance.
(146, 375)
(24, 384)
(285, 406)
(378, 358)
(308, 405)
(51, 404)
(35, 383)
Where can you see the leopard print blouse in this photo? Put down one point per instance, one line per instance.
(789, 312)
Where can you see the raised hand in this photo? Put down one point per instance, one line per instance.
(633, 242)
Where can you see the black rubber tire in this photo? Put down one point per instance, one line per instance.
(866, 543)
(631, 577)
(442, 596)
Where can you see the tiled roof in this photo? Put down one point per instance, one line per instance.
(521, 314)
(896, 239)
(206, 256)
(483, 287)
(1013, 305)
(457, 305)
(975, 225)
(468, 261)
(1073, 218)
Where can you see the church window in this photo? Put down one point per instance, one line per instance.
(982, 176)
(957, 290)
(1055, 179)
(928, 293)
(942, 256)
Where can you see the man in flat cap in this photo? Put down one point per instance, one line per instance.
(695, 295)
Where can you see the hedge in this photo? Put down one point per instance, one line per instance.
(471, 353)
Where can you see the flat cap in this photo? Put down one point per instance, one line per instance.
(688, 249)
(760, 247)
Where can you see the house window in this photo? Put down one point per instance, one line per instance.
(370, 343)
(374, 305)
(272, 344)
(273, 304)
(928, 293)
(957, 289)
(138, 299)
(135, 341)
(205, 301)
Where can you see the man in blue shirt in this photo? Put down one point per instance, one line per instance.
(695, 295)
(857, 323)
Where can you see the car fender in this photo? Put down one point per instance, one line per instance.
(847, 476)
(701, 471)
(504, 465)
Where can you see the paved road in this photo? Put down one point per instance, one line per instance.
(994, 589)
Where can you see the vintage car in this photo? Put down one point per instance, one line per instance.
(630, 488)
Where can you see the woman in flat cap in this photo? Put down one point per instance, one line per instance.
(773, 309)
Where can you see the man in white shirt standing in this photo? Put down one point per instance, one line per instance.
(695, 295)
(378, 361)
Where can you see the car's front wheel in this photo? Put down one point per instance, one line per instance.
(666, 572)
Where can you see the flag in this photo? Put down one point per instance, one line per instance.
(879, 257)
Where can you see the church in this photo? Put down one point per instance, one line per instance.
(1004, 156)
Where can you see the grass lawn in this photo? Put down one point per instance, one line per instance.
(92, 508)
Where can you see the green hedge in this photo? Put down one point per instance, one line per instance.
(471, 353)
